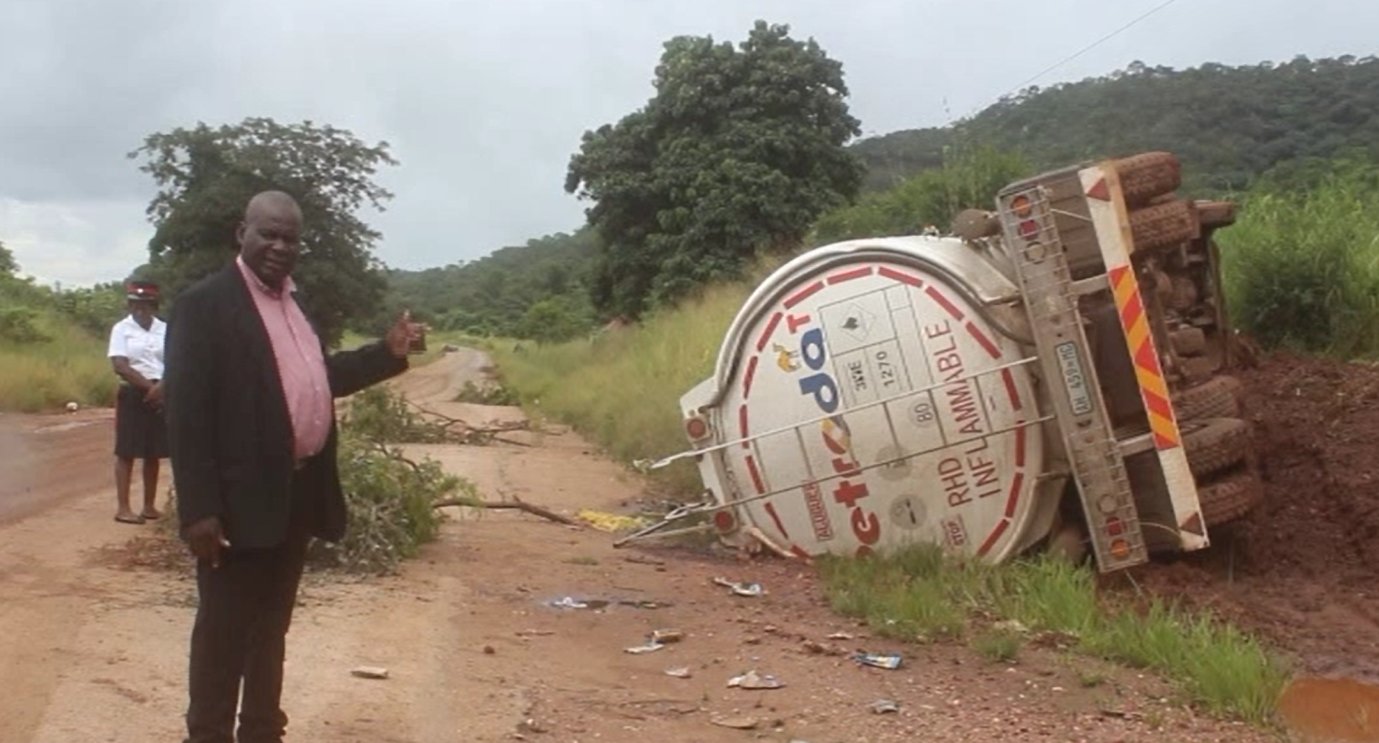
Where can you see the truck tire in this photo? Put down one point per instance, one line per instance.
(1164, 225)
(1215, 444)
(1147, 175)
(1218, 397)
(1230, 498)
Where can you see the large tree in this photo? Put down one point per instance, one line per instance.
(206, 176)
(740, 149)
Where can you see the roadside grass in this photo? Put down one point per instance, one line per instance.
(69, 366)
(920, 595)
(620, 387)
(1301, 266)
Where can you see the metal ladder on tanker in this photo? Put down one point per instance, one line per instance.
(1051, 299)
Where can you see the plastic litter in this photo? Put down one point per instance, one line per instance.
(884, 707)
(665, 636)
(754, 680)
(888, 661)
(750, 590)
(737, 723)
(680, 672)
(570, 602)
(370, 672)
(611, 522)
(650, 647)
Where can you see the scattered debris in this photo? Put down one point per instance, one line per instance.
(570, 602)
(667, 636)
(650, 647)
(754, 680)
(611, 522)
(639, 560)
(370, 672)
(680, 672)
(750, 590)
(736, 723)
(535, 633)
(514, 504)
(884, 707)
(888, 661)
(840, 636)
(1011, 625)
(530, 725)
(489, 650)
(818, 648)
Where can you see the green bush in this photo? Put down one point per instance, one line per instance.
(380, 415)
(1301, 268)
(391, 501)
(20, 325)
(969, 178)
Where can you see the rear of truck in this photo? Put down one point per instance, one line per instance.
(1056, 369)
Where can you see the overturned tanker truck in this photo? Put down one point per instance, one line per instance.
(1054, 374)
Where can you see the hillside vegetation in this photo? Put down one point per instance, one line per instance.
(1235, 128)
(1229, 125)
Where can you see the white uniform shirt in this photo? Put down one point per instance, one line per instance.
(143, 348)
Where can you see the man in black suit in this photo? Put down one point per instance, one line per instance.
(251, 424)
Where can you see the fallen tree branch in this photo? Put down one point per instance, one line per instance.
(506, 505)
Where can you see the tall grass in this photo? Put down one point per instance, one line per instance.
(70, 366)
(1301, 268)
(620, 388)
(919, 595)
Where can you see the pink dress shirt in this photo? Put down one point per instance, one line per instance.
(301, 363)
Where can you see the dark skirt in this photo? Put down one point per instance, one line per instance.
(140, 432)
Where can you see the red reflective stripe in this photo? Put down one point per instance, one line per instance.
(1157, 405)
(1011, 391)
(747, 378)
(1020, 444)
(856, 273)
(903, 278)
(1132, 312)
(995, 534)
(1013, 499)
(804, 294)
(984, 340)
(1100, 191)
(742, 422)
(1163, 442)
(770, 329)
(756, 475)
(775, 517)
(944, 303)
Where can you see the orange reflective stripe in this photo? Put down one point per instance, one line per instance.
(1153, 388)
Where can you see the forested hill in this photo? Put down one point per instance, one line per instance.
(534, 290)
(1228, 124)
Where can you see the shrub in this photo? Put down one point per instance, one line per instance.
(1301, 268)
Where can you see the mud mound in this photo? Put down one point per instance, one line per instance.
(1303, 568)
(1317, 424)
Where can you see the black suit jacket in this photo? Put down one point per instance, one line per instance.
(228, 425)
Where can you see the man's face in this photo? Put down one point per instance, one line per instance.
(270, 240)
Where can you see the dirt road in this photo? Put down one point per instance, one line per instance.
(94, 649)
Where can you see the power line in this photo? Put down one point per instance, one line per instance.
(1093, 45)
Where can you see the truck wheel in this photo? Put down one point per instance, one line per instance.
(1215, 444)
(1218, 397)
(1144, 176)
(1164, 225)
(1230, 498)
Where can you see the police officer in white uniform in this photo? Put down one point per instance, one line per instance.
(136, 353)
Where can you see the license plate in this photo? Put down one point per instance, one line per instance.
(1074, 380)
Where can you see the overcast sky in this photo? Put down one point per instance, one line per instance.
(484, 102)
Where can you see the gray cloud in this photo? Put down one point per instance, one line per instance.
(484, 103)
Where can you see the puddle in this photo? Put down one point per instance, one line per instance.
(1331, 710)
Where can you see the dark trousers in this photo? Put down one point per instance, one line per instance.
(240, 634)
